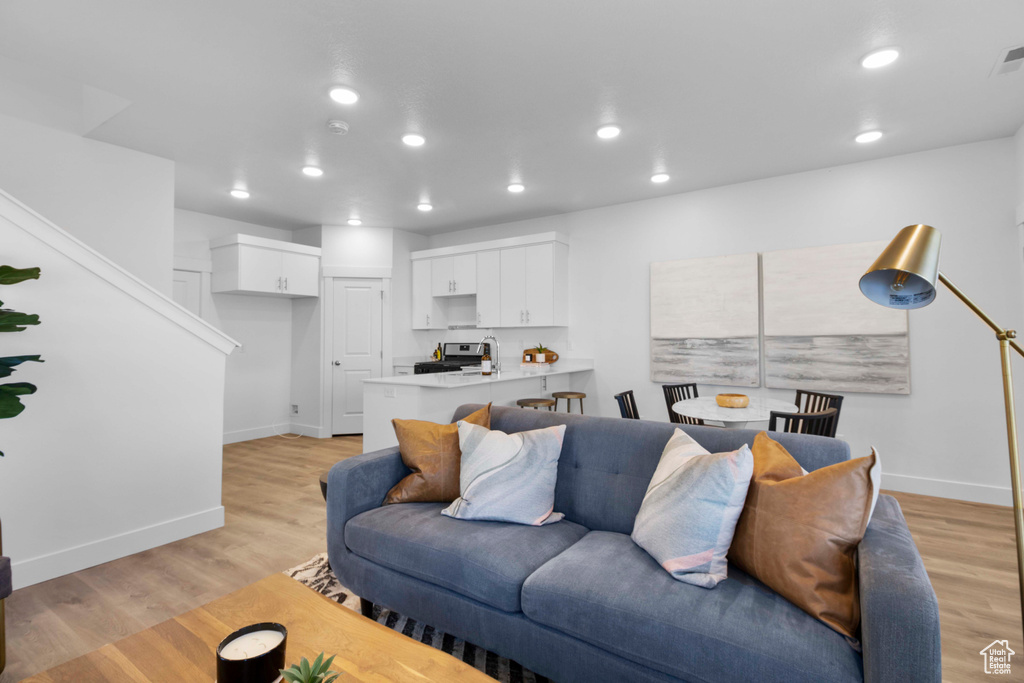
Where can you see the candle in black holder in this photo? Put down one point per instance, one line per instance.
(253, 654)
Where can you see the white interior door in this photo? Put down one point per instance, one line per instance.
(187, 291)
(357, 347)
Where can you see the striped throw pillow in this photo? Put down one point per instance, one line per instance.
(508, 477)
(688, 516)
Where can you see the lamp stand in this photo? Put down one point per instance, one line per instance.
(1006, 342)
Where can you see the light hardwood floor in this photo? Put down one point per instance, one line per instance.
(275, 520)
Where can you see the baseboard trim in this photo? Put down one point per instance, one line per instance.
(250, 434)
(308, 430)
(975, 493)
(45, 567)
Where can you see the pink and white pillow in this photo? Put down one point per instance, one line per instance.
(689, 514)
(508, 477)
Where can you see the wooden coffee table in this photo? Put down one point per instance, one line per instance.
(182, 648)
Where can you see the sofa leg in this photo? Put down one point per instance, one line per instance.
(366, 607)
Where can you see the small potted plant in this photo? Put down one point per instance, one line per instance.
(317, 672)
(541, 353)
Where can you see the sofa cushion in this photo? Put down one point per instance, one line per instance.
(486, 561)
(607, 591)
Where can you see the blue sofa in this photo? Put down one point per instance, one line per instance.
(579, 601)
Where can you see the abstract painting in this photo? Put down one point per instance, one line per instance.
(821, 333)
(704, 321)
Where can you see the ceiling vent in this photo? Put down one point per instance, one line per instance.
(1010, 60)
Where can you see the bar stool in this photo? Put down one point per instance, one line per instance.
(568, 396)
(535, 403)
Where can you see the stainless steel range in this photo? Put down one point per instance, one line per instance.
(456, 356)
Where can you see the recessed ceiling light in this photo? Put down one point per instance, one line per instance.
(880, 58)
(608, 132)
(425, 207)
(239, 194)
(354, 221)
(344, 95)
(516, 187)
(313, 171)
(660, 178)
(869, 136)
(414, 140)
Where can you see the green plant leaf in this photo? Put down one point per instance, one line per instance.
(327, 664)
(7, 363)
(304, 668)
(315, 668)
(291, 675)
(332, 678)
(13, 321)
(10, 404)
(12, 276)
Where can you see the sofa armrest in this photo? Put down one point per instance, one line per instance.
(899, 611)
(358, 484)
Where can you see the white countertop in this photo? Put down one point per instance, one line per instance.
(448, 380)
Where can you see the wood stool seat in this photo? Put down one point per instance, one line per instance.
(568, 396)
(535, 403)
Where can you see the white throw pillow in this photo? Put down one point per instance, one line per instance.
(508, 477)
(689, 514)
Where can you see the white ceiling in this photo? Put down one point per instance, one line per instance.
(235, 92)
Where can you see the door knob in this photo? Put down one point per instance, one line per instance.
(337, 362)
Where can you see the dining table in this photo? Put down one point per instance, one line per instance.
(707, 408)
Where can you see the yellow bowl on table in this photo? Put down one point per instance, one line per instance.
(733, 400)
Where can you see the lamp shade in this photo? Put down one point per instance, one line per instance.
(904, 275)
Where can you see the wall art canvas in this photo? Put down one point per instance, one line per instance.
(704, 321)
(821, 333)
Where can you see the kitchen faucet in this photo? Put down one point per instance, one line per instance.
(495, 360)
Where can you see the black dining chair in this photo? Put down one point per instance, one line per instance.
(821, 423)
(680, 392)
(627, 405)
(816, 402)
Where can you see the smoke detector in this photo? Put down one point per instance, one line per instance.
(337, 127)
(1010, 60)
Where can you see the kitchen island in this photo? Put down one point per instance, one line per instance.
(434, 397)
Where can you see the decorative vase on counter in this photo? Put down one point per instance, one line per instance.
(540, 357)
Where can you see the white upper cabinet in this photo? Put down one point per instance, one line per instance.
(465, 275)
(540, 285)
(488, 289)
(244, 264)
(513, 287)
(426, 311)
(518, 282)
(301, 274)
(442, 275)
(453, 275)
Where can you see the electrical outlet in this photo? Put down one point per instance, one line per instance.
(390, 392)
(295, 409)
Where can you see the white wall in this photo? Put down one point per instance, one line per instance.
(118, 201)
(120, 449)
(947, 438)
(407, 343)
(258, 375)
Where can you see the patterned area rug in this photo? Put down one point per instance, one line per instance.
(317, 574)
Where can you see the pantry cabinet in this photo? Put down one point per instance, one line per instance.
(245, 264)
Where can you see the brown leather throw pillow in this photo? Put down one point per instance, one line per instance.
(798, 533)
(432, 452)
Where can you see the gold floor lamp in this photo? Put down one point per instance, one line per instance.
(904, 277)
